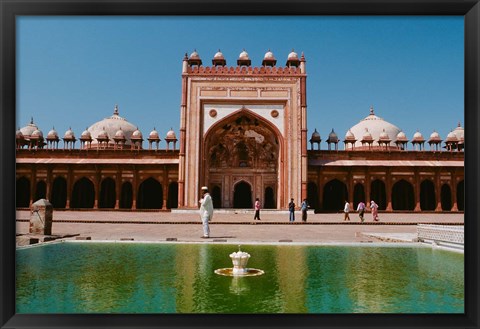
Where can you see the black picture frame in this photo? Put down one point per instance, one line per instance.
(9, 9)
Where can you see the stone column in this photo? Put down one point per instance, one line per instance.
(417, 192)
(438, 190)
(388, 192)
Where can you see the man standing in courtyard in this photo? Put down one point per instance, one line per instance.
(257, 209)
(304, 210)
(361, 210)
(291, 208)
(206, 211)
(346, 210)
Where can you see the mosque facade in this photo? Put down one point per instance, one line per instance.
(243, 133)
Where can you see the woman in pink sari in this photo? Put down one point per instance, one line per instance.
(374, 208)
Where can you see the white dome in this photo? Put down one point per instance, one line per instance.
(451, 137)
(111, 125)
(153, 134)
(218, 55)
(69, 134)
(194, 55)
(459, 132)
(434, 135)
(401, 136)
(243, 55)
(120, 133)
(137, 134)
(37, 134)
(367, 135)
(86, 134)
(268, 55)
(417, 136)
(375, 126)
(19, 135)
(171, 135)
(29, 129)
(52, 134)
(384, 135)
(316, 136)
(293, 55)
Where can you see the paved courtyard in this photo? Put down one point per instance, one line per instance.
(236, 226)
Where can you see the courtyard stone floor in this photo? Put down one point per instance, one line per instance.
(233, 226)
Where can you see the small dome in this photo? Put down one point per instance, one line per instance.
(384, 136)
(171, 135)
(243, 55)
(52, 134)
(349, 135)
(194, 55)
(459, 132)
(137, 134)
(315, 136)
(218, 55)
(86, 134)
(434, 135)
(29, 129)
(37, 134)
(268, 55)
(120, 134)
(153, 134)
(417, 137)
(103, 134)
(292, 55)
(367, 135)
(69, 134)
(332, 137)
(19, 135)
(401, 136)
(451, 137)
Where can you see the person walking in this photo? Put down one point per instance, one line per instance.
(257, 209)
(304, 210)
(206, 211)
(346, 211)
(374, 209)
(361, 210)
(291, 208)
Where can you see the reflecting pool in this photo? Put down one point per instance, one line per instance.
(95, 277)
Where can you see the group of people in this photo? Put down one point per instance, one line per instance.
(361, 208)
(206, 210)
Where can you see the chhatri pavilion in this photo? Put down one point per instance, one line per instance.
(243, 133)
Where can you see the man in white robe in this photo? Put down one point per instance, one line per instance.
(206, 211)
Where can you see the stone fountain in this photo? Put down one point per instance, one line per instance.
(239, 260)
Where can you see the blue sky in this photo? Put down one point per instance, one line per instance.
(71, 71)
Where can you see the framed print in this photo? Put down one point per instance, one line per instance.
(214, 164)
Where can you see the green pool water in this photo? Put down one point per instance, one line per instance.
(129, 277)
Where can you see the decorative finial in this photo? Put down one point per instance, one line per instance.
(115, 111)
(31, 120)
(459, 125)
(371, 110)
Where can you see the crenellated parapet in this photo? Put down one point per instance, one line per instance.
(243, 70)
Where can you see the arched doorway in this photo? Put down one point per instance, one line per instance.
(269, 198)
(312, 195)
(150, 194)
(427, 195)
(358, 195)
(23, 192)
(58, 198)
(378, 194)
(461, 196)
(242, 196)
(172, 201)
(446, 197)
(126, 196)
(107, 194)
(40, 191)
(83, 194)
(242, 144)
(217, 197)
(402, 196)
(334, 195)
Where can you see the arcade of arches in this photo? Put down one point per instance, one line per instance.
(97, 191)
(403, 195)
